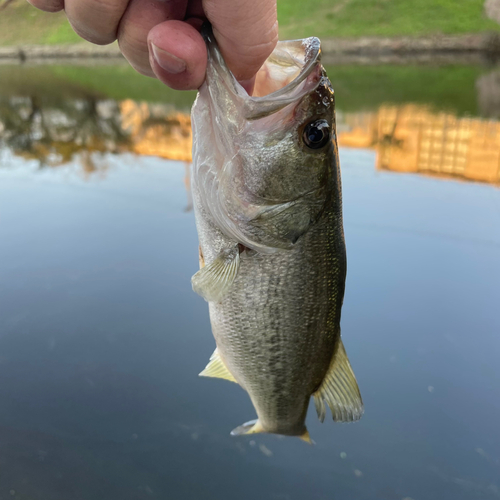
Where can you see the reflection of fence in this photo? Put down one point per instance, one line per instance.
(414, 139)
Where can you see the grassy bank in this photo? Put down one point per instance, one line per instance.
(21, 23)
(354, 18)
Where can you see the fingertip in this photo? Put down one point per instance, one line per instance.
(178, 55)
(245, 60)
(247, 33)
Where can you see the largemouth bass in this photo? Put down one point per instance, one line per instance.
(267, 199)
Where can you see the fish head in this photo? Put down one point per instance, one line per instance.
(266, 162)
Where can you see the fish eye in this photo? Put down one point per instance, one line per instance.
(316, 134)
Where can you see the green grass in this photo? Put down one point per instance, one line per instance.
(63, 34)
(20, 23)
(352, 18)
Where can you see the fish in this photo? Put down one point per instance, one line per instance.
(267, 199)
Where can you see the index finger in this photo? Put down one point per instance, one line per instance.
(246, 31)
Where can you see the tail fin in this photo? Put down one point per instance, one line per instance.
(255, 427)
(252, 427)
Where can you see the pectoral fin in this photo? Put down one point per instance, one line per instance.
(214, 280)
(339, 390)
(217, 369)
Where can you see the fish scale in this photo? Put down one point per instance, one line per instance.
(295, 324)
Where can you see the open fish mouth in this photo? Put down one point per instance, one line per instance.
(291, 71)
(287, 68)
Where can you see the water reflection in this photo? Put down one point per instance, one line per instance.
(86, 128)
(55, 134)
(415, 139)
(408, 138)
(101, 336)
(157, 130)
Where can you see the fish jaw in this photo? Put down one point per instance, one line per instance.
(283, 79)
(250, 160)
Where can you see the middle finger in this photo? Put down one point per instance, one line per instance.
(140, 17)
(95, 20)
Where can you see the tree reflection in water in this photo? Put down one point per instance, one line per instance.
(406, 138)
(85, 129)
(55, 134)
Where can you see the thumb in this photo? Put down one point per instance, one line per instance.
(246, 31)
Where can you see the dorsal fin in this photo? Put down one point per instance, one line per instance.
(217, 369)
(339, 390)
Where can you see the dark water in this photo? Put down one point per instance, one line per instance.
(101, 337)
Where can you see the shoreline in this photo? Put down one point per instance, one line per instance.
(439, 49)
(85, 50)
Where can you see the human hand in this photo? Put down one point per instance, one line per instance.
(161, 37)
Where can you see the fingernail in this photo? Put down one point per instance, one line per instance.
(168, 61)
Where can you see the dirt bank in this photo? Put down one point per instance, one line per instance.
(56, 52)
(441, 49)
(366, 50)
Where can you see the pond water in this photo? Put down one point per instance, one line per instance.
(102, 338)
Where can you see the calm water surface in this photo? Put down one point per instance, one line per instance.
(102, 338)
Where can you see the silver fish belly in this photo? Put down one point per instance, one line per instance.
(267, 198)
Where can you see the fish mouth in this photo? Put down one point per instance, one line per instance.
(292, 71)
(289, 65)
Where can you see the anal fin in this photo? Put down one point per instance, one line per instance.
(217, 369)
(339, 390)
(306, 437)
(214, 280)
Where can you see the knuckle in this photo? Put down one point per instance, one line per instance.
(143, 70)
(106, 9)
(93, 36)
(96, 20)
(137, 56)
(48, 5)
